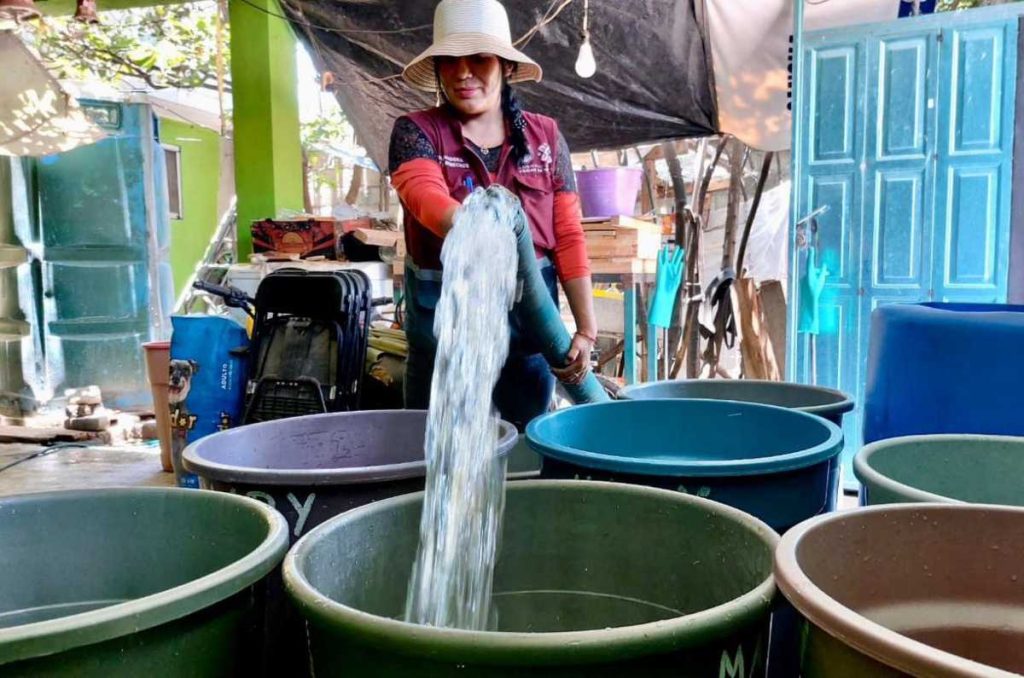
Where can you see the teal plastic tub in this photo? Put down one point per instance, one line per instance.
(594, 580)
(135, 583)
(774, 463)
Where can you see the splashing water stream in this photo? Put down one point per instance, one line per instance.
(453, 573)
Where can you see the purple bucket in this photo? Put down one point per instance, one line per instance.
(608, 191)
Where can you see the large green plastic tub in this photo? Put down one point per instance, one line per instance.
(942, 468)
(593, 580)
(135, 582)
(901, 590)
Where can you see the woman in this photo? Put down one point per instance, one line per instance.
(479, 135)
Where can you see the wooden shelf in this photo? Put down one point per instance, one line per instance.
(623, 266)
(622, 237)
(620, 221)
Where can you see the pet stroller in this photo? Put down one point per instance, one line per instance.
(308, 344)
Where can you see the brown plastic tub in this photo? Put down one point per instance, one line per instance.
(908, 589)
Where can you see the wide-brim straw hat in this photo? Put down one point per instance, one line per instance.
(465, 27)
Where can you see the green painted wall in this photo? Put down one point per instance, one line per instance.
(268, 151)
(200, 182)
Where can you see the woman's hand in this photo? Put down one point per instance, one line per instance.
(578, 360)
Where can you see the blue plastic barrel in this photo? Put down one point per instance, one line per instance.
(774, 463)
(944, 368)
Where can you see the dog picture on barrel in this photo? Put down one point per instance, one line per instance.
(180, 379)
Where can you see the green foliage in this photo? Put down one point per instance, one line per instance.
(953, 5)
(165, 46)
(329, 129)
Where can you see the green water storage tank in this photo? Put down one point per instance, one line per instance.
(106, 281)
(15, 398)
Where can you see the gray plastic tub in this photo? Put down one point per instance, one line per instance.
(942, 468)
(823, 402)
(313, 468)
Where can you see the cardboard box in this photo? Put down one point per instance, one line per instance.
(305, 236)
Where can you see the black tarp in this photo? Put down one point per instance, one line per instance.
(654, 78)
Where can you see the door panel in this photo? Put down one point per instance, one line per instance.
(975, 70)
(975, 163)
(833, 101)
(898, 230)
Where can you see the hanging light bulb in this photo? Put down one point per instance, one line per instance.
(585, 64)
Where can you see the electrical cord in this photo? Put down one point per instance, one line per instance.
(42, 453)
(332, 29)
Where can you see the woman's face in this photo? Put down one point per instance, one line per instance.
(472, 84)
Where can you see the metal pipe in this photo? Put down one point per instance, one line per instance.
(796, 166)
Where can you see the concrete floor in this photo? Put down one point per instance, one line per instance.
(71, 468)
(848, 501)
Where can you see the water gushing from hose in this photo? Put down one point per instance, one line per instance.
(461, 520)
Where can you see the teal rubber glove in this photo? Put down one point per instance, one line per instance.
(667, 282)
(812, 282)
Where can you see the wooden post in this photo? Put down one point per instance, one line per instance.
(736, 150)
(683, 229)
(629, 330)
(649, 197)
(690, 346)
(307, 201)
(355, 186)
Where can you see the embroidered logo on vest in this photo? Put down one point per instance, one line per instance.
(529, 164)
(453, 162)
(545, 153)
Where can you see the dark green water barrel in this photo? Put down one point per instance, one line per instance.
(594, 580)
(135, 583)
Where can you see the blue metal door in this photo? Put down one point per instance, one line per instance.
(909, 129)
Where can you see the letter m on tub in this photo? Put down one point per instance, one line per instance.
(732, 667)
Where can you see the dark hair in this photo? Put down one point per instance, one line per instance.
(511, 109)
(513, 112)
